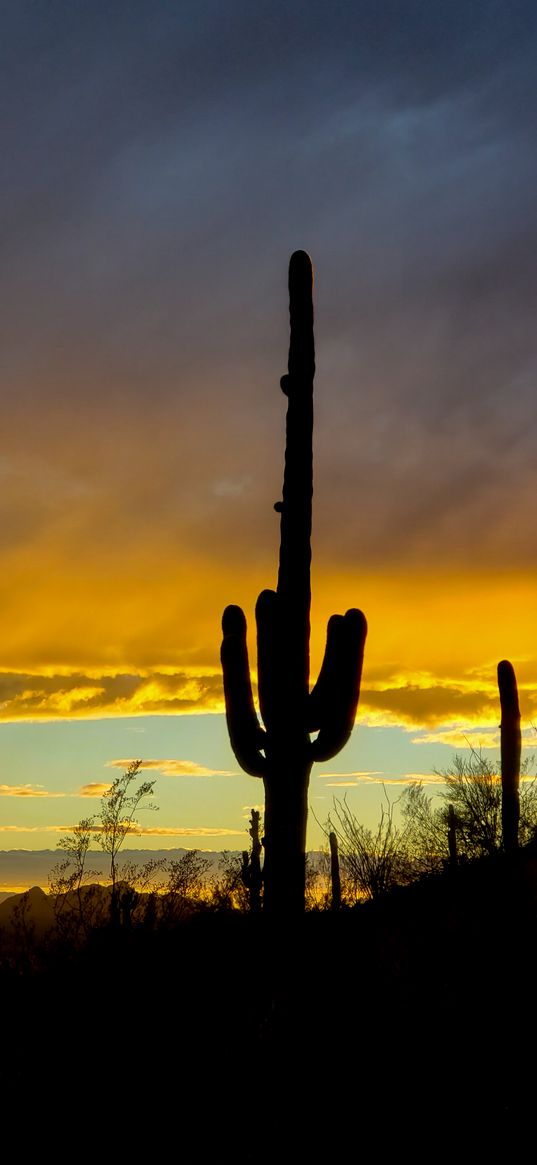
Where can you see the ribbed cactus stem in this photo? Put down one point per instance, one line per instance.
(511, 743)
(335, 877)
(255, 876)
(282, 753)
(284, 620)
(294, 590)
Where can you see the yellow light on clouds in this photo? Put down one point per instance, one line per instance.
(115, 640)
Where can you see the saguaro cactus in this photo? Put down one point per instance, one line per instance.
(282, 753)
(335, 877)
(251, 863)
(510, 754)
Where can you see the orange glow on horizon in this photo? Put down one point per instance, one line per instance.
(80, 645)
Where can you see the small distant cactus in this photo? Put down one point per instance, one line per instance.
(511, 743)
(251, 872)
(335, 877)
(282, 752)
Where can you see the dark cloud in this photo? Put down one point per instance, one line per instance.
(431, 705)
(386, 697)
(42, 697)
(161, 161)
(440, 700)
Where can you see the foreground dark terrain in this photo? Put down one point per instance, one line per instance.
(404, 1024)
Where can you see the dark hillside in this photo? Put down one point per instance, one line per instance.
(386, 1025)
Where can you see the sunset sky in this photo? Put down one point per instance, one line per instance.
(161, 161)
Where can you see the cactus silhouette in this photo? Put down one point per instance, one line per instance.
(282, 752)
(510, 754)
(335, 877)
(251, 872)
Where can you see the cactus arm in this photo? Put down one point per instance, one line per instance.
(245, 732)
(321, 693)
(510, 754)
(334, 699)
(269, 656)
(345, 635)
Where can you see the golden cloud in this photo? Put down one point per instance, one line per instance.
(440, 703)
(449, 707)
(46, 696)
(461, 736)
(366, 774)
(174, 768)
(149, 644)
(342, 784)
(27, 791)
(35, 828)
(383, 779)
(422, 778)
(201, 831)
(94, 789)
(136, 830)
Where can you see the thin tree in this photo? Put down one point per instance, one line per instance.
(467, 824)
(69, 875)
(117, 819)
(375, 860)
(427, 829)
(185, 888)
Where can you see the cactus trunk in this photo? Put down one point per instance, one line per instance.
(282, 752)
(511, 742)
(286, 814)
(284, 672)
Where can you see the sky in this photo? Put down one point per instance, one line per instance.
(161, 161)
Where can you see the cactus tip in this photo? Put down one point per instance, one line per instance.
(233, 621)
(300, 267)
(357, 620)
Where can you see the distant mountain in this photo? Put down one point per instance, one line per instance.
(35, 911)
(32, 909)
(20, 869)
